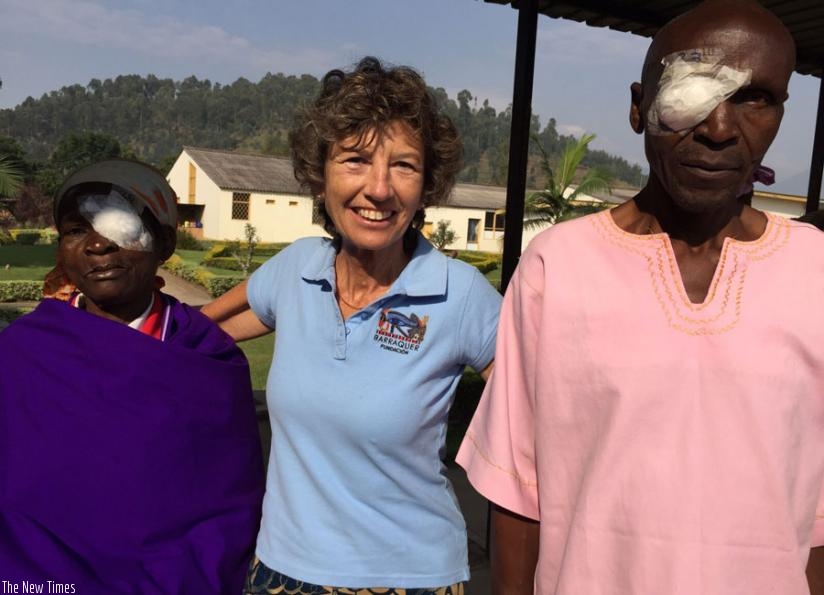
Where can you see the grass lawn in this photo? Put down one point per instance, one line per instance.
(259, 353)
(494, 277)
(25, 262)
(191, 257)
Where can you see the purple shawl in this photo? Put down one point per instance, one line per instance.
(127, 464)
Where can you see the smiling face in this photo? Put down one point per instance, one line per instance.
(117, 283)
(704, 167)
(373, 191)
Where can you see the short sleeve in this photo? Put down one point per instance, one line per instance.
(479, 323)
(498, 451)
(261, 292)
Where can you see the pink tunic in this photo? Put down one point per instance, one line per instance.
(666, 447)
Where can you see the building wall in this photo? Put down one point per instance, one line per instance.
(206, 193)
(280, 217)
(784, 207)
(277, 217)
(487, 241)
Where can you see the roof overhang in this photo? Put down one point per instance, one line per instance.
(804, 19)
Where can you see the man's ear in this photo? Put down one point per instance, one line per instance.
(636, 116)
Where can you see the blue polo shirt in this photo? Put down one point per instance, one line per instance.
(356, 494)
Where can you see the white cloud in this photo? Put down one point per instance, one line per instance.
(571, 129)
(89, 23)
(571, 42)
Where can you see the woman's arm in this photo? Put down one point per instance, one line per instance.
(487, 371)
(232, 313)
(514, 552)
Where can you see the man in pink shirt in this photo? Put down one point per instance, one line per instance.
(655, 420)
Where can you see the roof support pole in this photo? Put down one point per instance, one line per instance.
(519, 137)
(817, 164)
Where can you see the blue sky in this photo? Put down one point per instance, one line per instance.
(582, 74)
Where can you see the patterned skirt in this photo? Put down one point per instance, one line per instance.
(262, 580)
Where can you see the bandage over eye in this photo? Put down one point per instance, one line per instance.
(693, 83)
(113, 216)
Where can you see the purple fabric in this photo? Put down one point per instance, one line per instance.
(127, 464)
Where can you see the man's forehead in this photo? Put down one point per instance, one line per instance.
(731, 47)
(740, 31)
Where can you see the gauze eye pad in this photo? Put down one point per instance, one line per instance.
(114, 217)
(693, 83)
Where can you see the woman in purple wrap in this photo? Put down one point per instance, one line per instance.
(129, 456)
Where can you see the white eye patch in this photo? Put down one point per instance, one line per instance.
(693, 84)
(114, 217)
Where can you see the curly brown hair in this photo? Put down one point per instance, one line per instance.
(368, 99)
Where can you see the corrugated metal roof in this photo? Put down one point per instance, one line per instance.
(804, 19)
(246, 172)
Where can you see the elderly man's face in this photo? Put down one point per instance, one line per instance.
(707, 166)
(108, 275)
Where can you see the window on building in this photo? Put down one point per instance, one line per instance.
(293, 203)
(240, 205)
(472, 231)
(270, 201)
(494, 221)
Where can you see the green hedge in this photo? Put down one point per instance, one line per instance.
(217, 286)
(186, 241)
(224, 250)
(10, 314)
(27, 238)
(21, 291)
(229, 263)
(483, 261)
(213, 284)
(30, 237)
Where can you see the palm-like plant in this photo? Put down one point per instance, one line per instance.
(11, 178)
(559, 201)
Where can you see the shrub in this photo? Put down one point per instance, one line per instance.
(483, 261)
(186, 241)
(20, 291)
(229, 263)
(222, 249)
(269, 250)
(174, 263)
(27, 238)
(202, 277)
(5, 238)
(217, 286)
(443, 235)
(10, 314)
(48, 237)
(218, 250)
(213, 284)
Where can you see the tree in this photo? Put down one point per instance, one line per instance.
(11, 178)
(32, 207)
(559, 201)
(443, 235)
(74, 151)
(244, 253)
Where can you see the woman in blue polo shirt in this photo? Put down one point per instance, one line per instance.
(374, 329)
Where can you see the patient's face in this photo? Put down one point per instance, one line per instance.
(114, 280)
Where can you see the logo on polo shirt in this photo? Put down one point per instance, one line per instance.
(400, 332)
